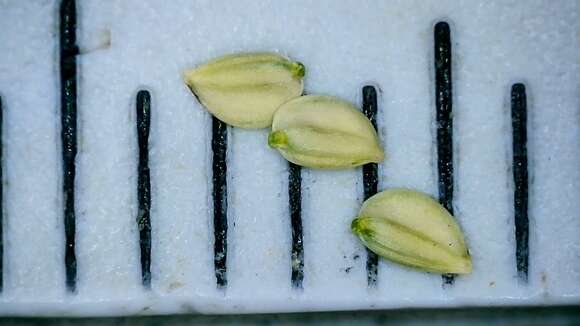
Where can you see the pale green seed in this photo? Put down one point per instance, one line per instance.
(244, 90)
(324, 132)
(410, 228)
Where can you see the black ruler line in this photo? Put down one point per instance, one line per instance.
(370, 176)
(219, 145)
(68, 102)
(143, 107)
(520, 171)
(444, 116)
(295, 203)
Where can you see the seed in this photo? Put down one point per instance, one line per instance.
(410, 228)
(244, 90)
(324, 132)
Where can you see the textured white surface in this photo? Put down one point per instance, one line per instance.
(106, 161)
(33, 231)
(127, 45)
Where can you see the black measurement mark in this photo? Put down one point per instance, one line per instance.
(219, 144)
(370, 176)
(295, 202)
(444, 109)
(520, 169)
(1, 205)
(68, 102)
(143, 107)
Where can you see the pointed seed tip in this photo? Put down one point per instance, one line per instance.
(380, 156)
(462, 266)
(188, 76)
(468, 266)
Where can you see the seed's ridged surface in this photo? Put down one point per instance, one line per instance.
(244, 90)
(324, 132)
(410, 228)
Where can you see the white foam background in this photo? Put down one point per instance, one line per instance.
(134, 44)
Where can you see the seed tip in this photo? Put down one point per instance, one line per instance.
(356, 226)
(277, 139)
(380, 156)
(298, 70)
(467, 267)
